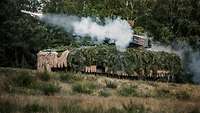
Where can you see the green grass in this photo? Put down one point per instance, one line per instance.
(7, 107)
(66, 77)
(132, 108)
(128, 90)
(44, 76)
(105, 93)
(50, 89)
(111, 84)
(35, 108)
(23, 79)
(166, 93)
(183, 95)
(163, 93)
(84, 87)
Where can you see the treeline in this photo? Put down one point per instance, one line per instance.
(22, 36)
(165, 20)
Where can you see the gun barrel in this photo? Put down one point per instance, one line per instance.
(39, 15)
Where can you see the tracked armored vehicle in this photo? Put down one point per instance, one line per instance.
(108, 61)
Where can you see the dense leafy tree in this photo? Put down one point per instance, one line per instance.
(23, 36)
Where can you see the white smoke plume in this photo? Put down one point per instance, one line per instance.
(116, 30)
(160, 47)
(195, 66)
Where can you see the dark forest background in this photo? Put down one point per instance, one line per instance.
(22, 36)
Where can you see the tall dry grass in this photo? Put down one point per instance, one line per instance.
(88, 103)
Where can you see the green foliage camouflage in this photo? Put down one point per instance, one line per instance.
(129, 61)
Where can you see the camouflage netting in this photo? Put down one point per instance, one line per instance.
(129, 61)
(48, 60)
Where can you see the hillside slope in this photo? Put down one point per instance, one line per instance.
(28, 91)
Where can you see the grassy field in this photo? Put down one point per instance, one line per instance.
(26, 91)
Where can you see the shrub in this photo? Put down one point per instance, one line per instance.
(84, 87)
(163, 93)
(78, 77)
(115, 110)
(44, 76)
(24, 79)
(35, 108)
(183, 95)
(105, 93)
(111, 84)
(5, 83)
(132, 108)
(71, 108)
(65, 77)
(50, 89)
(7, 107)
(195, 110)
(128, 91)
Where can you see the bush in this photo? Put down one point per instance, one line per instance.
(44, 76)
(195, 110)
(35, 108)
(111, 84)
(163, 93)
(84, 87)
(71, 108)
(182, 95)
(50, 89)
(7, 107)
(24, 79)
(65, 77)
(78, 77)
(105, 93)
(128, 91)
(115, 110)
(132, 108)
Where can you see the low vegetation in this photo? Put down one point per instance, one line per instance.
(33, 108)
(24, 79)
(128, 91)
(80, 93)
(66, 77)
(44, 76)
(50, 89)
(84, 87)
(105, 93)
(91, 104)
(111, 84)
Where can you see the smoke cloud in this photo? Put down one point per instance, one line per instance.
(160, 47)
(195, 66)
(117, 30)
